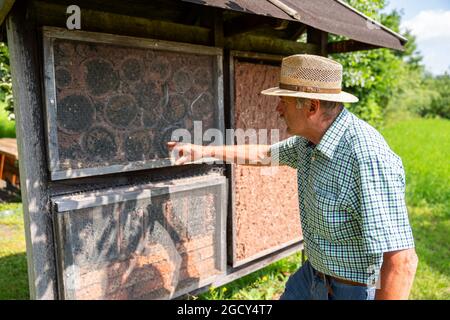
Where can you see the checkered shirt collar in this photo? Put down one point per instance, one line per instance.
(333, 135)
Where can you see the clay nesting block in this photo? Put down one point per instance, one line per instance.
(265, 209)
(110, 106)
(148, 241)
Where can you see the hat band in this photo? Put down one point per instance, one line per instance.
(307, 88)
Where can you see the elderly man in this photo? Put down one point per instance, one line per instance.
(351, 188)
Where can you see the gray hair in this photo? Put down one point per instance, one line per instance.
(328, 106)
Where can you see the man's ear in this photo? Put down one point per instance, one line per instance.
(314, 106)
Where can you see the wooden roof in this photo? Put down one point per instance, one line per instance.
(333, 16)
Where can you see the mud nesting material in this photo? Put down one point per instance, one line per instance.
(265, 210)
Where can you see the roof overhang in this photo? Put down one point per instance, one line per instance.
(333, 16)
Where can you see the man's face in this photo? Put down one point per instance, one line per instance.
(296, 119)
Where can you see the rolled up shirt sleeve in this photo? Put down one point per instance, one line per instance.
(286, 152)
(383, 213)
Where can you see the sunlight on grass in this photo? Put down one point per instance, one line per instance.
(424, 146)
(265, 284)
(7, 127)
(13, 265)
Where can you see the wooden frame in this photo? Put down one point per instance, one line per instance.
(52, 33)
(243, 270)
(63, 204)
(251, 56)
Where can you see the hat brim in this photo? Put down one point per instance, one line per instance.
(336, 97)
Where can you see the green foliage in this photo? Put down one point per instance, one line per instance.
(7, 126)
(439, 105)
(5, 81)
(372, 76)
(375, 76)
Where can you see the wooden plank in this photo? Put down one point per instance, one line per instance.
(348, 46)
(298, 32)
(257, 56)
(8, 146)
(236, 273)
(58, 229)
(116, 39)
(243, 24)
(218, 27)
(55, 15)
(105, 197)
(319, 38)
(2, 164)
(169, 10)
(231, 230)
(269, 45)
(265, 253)
(26, 78)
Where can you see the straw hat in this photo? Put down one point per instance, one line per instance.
(311, 77)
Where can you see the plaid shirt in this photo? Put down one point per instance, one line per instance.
(351, 189)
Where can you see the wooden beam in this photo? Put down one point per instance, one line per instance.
(319, 38)
(348, 46)
(236, 273)
(243, 24)
(26, 78)
(218, 26)
(55, 15)
(167, 10)
(298, 32)
(269, 45)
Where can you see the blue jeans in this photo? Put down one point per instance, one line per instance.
(305, 284)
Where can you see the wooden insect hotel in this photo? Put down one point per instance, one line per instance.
(107, 215)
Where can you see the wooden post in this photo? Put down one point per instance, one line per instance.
(319, 38)
(24, 52)
(218, 28)
(2, 164)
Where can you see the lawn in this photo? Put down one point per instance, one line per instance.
(7, 127)
(13, 265)
(423, 144)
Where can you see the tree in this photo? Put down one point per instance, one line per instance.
(375, 75)
(440, 102)
(5, 80)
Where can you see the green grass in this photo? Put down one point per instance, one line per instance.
(7, 127)
(13, 264)
(423, 145)
(265, 284)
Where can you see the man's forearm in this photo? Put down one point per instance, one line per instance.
(240, 154)
(397, 275)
